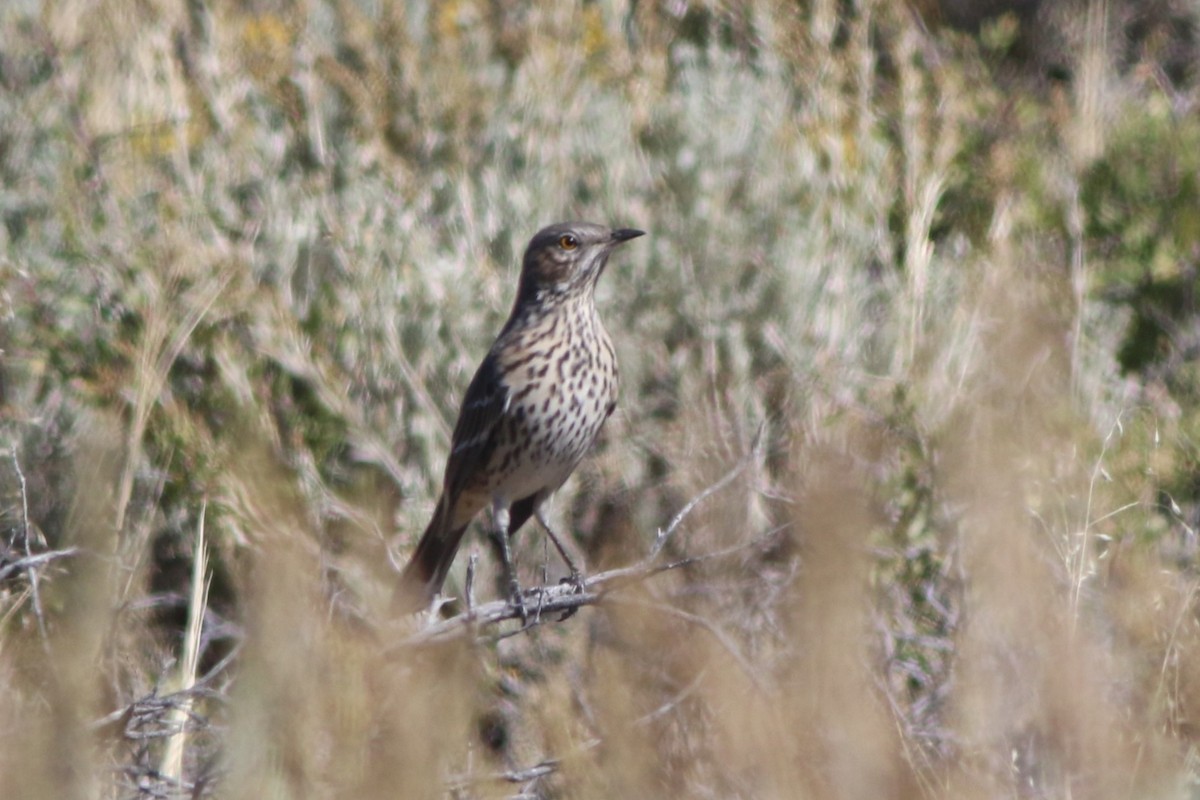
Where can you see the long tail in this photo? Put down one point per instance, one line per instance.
(423, 576)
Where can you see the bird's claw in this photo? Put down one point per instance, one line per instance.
(517, 598)
(577, 581)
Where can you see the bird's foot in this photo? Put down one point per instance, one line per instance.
(516, 597)
(578, 581)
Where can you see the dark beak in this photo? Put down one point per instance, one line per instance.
(625, 234)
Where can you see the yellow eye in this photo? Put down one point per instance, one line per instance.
(568, 242)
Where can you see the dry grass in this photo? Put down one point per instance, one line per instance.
(252, 252)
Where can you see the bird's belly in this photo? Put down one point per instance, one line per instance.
(541, 445)
(531, 477)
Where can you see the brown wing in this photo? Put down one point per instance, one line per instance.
(474, 438)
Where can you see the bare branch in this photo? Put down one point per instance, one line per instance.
(565, 598)
(660, 539)
(34, 589)
(717, 633)
(546, 601)
(675, 700)
(33, 561)
(526, 775)
(541, 770)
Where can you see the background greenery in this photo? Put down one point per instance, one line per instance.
(944, 254)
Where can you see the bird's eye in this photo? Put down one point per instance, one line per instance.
(568, 242)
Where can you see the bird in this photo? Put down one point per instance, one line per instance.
(532, 411)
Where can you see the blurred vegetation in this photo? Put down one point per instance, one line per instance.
(945, 253)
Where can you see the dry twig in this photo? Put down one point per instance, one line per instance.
(566, 598)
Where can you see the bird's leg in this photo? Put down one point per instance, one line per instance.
(576, 577)
(500, 518)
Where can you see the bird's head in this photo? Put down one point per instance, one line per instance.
(567, 258)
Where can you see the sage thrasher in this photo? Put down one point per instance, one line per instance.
(533, 409)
